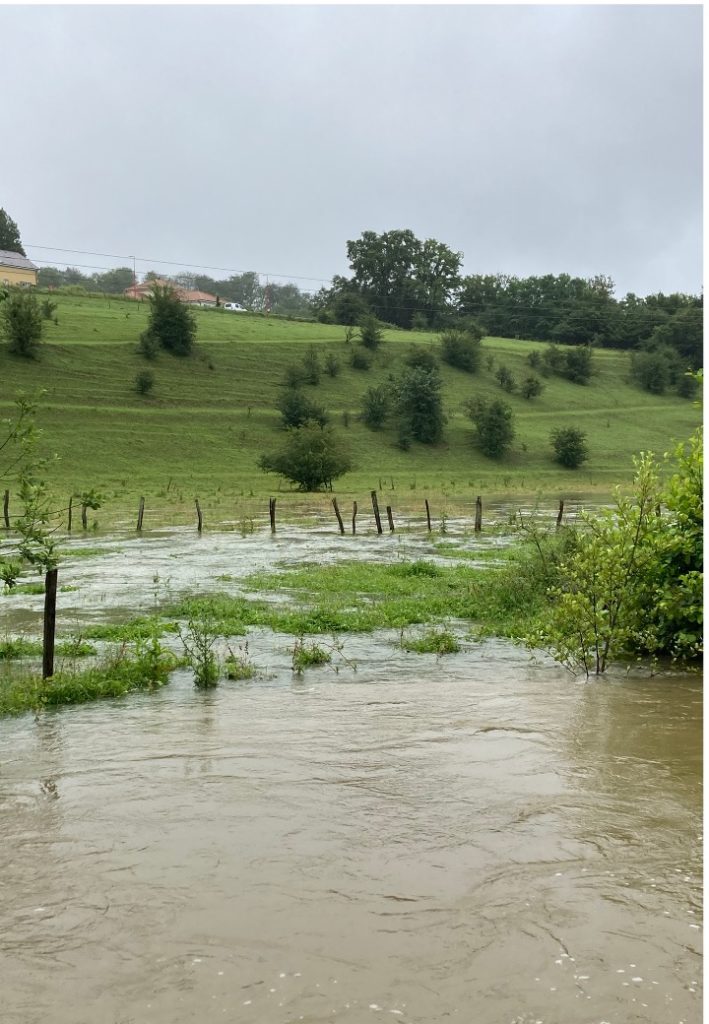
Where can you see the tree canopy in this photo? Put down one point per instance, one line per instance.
(10, 234)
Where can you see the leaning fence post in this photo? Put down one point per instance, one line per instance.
(6, 509)
(272, 513)
(337, 513)
(68, 522)
(141, 510)
(50, 619)
(199, 515)
(560, 514)
(354, 518)
(478, 514)
(390, 517)
(428, 515)
(84, 523)
(375, 508)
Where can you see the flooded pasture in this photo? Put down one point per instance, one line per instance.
(395, 836)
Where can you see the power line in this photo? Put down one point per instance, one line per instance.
(173, 263)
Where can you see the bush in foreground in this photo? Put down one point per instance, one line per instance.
(22, 322)
(312, 457)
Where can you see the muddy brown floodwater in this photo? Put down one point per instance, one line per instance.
(480, 837)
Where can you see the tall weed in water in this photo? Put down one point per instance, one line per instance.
(198, 640)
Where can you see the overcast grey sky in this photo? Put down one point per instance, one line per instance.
(533, 139)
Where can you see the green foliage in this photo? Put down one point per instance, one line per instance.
(687, 385)
(148, 345)
(371, 333)
(360, 359)
(308, 655)
(312, 457)
(311, 366)
(570, 448)
(435, 641)
(494, 425)
(144, 382)
(423, 358)
(10, 234)
(15, 648)
(376, 405)
(198, 639)
(535, 359)
(634, 583)
(171, 323)
(48, 309)
(22, 322)
(531, 387)
(505, 379)
(239, 666)
(297, 409)
(332, 365)
(461, 349)
(419, 404)
(656, 369)
(578, 364)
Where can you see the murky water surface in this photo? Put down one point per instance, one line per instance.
(479, 837)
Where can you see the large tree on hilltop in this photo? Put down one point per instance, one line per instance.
(10, 234)
(399, 275)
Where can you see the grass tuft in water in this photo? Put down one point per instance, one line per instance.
(435, 641)
(238, 665)
(308, 655)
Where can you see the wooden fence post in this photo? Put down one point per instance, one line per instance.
(428, 515)
(337, 513)
(375, 507)
(84, 523)
(50, 619)
(141, 510)
(390, 517)
(6, 509)
(272, 513)
(199, 515)
(354, 518)
(68, 523)
(560, 514)
(478, 514)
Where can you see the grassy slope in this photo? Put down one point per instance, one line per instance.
(212, 414)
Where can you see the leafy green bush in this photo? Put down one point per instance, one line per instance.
(419, 405)
(505, 379)
(531, 387)
(332, 365)
(360, 359)
(494, 425)
(22, 322)
(312, 457)
(371, 334)
(578, 364)
(570, 448)
(423, 358)
(296, 409)
(436, 641)
(461, 349)
(376, 405)
(144, 382)
(308, 655)
(198, 640)
(170, 322)
(311, 366)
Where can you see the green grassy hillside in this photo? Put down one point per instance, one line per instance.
(211, 415)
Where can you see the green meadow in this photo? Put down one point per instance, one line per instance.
(201, 430)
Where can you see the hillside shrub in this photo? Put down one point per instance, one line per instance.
(360, 359)
(505, 379)
(655, 370)
(144, 382)
(376, 404)
(531, 387)
(294, 375)
(461, 349)
(22, 322)
(311, 366)
(570, 448)
(551, 360)
(312, 457)
(49, 308)
(332, 365)
(420, 357)
(494, 425)
(371, 334)
(578, 364)
(170, 322)
(419, 405)
(297, 409)
(534, 359)
(687, 385)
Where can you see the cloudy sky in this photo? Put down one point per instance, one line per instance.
(533, 139)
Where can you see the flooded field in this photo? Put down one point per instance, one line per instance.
(395, 836)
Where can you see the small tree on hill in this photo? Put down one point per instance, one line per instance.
(569, 444)
(312, 457)
(531, 387)
(371, 334)
(578, 365)
(461, 349)
(297, 409)
(171, 323)
(419, 405)
(376, 404)
(311, 366)
(505, 379)
(144, 382)
(22, 322)
(494, 425)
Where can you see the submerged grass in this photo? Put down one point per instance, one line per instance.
(145, 668)
(436, 641)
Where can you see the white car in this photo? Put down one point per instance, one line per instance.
(235, 307)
